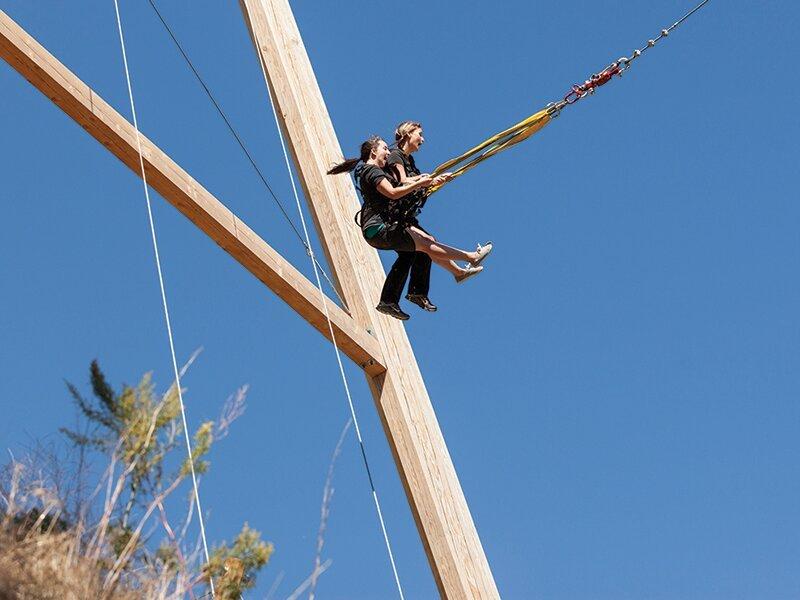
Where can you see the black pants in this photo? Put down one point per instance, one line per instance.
(396, 237)
(419, 264)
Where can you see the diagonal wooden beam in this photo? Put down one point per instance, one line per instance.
(24, 54)
(455, 554)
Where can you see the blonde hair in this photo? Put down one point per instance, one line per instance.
(405, 129)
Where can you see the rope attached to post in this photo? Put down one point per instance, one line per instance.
(243, 147)
(330, 327)
(318, 269)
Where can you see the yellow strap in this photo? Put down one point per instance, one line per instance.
(497, 143)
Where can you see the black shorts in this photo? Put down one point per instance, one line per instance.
(393, 237)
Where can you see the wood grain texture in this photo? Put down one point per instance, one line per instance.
(455, 554)
(101, 121)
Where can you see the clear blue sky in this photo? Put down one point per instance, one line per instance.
(619, 390)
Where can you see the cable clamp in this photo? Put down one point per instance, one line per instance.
(554, 109)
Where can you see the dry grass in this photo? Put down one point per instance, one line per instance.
(50, 566)
(116, 542)
(71, 540)
(43, 558)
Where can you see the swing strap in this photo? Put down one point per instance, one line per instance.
(527, 127)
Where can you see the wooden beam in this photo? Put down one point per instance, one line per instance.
(437, 502)
(107, 126)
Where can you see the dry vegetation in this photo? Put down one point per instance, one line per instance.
(99, 528)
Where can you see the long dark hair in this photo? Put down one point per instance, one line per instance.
(350, 163)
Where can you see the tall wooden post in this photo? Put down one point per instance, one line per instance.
(443, 519)
(454, 551)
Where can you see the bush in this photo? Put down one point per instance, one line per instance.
(52, 547)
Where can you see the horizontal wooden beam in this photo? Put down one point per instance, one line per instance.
(24, 54)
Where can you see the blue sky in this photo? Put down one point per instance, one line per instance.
(618, 390)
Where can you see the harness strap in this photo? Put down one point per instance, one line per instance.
(497, 143)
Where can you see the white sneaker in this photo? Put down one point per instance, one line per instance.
(467, 272)
(483, 252)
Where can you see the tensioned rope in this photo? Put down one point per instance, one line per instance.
(330, 327)
(163, 293)
(527, 127)
(249, 156)
(309, 250)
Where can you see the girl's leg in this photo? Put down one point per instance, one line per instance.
(450, 266)
(438, 252)
(396, 278)
(420, 281)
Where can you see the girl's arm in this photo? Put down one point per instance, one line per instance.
(400, 171)
(393, 193)
(402, 176)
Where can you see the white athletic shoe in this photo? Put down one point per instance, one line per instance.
(468, 271)
(483, 252)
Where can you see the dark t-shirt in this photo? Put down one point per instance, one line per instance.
(376, 205)
(398, 157)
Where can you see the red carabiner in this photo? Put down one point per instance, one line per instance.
(606, 74)
(579, 90)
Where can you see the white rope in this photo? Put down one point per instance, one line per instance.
(330, 325)
(163, 294)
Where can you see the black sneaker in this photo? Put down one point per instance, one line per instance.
(422, 301)
(393, 310)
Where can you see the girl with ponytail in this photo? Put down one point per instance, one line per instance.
(384, 226)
